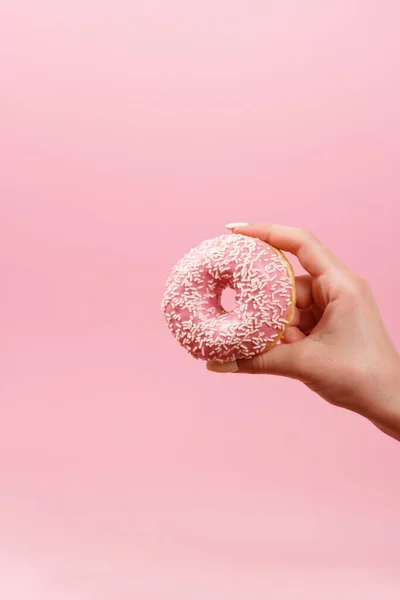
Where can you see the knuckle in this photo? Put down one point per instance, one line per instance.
(363, 284)
(303, 360)
(257, 364)
(357, 287)
(351, 291)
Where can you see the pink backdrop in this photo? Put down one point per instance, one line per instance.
(129, 131)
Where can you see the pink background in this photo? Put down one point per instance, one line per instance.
(129, 131)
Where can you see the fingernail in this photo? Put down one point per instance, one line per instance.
(228, 367)
(233, 225)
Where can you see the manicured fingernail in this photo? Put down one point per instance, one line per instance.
(233, 225)
(228, 367)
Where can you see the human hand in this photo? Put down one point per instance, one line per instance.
(336, 343)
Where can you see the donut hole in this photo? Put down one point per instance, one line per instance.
(228, 299)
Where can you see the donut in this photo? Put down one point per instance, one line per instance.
(263, 280)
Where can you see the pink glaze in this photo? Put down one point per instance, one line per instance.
(192, 300)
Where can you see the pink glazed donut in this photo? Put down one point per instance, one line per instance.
(265, 298)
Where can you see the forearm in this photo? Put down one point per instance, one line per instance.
(393, 434)
(382, 400)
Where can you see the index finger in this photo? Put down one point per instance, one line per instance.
(312, 254)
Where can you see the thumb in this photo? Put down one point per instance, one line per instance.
(284, 359)
(287, 360)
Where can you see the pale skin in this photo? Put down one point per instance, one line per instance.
(336, 344)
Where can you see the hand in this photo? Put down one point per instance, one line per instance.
(336, 343)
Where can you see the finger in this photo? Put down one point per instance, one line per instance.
(388, 432)
(303, 319)
(307, 320)
(287, 360)
(296, 317)
(312, 254)
(228, 367)
(304, 297)
(317, 313)
(293, 335)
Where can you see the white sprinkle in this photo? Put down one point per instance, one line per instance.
(259, 277)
